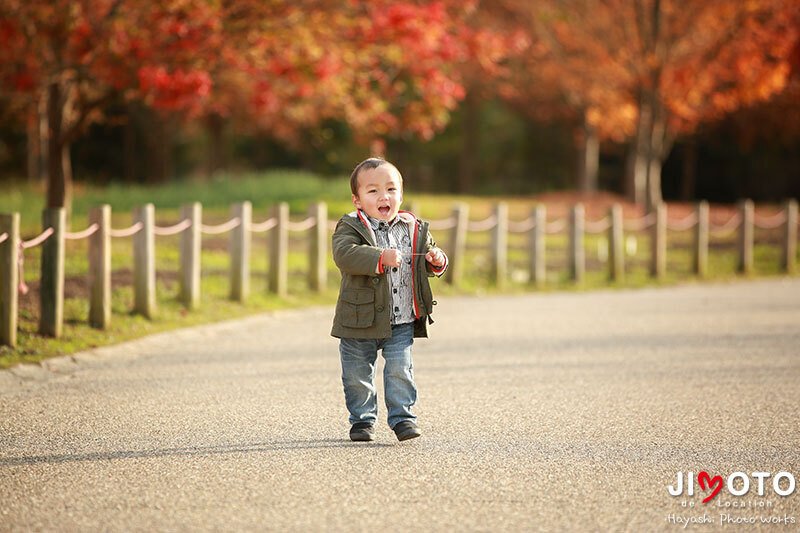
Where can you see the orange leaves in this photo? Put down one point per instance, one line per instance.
(739, 55)
(700, 58)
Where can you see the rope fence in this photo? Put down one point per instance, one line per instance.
(219, 229)
(640, 224)
(483, 225)
(729, 226)
(36, 241)
(617, 238)
(173, 230)
(522, 226)
(305, 225)
(441, 225)
(126, 232)
(264, 226)
(557, 226)
(683, 225)
(770, 222)
(599, 226)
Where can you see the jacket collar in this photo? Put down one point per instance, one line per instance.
(404, 216)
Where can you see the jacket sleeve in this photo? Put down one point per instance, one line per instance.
(352, 255)
(432, 270)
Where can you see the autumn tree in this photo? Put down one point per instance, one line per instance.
(554, 80)
(673, 64)
(698, 61)
(493, 43)
(78, 56)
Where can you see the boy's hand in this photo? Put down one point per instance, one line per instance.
(435, 257)
(391, 257)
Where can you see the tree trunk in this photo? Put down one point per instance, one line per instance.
(637, 165)
(689, 174)
(59, 169)
(470, 137)
(129, 145)
(654, 159)
(216, 151)
(44, 136)
(589, 158)
(660, 146)
(161, 163)
(33, 146)
(650, 148)
(654, 197)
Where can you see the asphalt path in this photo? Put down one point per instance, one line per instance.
(553, 412)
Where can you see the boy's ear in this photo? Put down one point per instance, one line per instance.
(356, 201)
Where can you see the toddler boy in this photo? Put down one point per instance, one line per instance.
(385, 256)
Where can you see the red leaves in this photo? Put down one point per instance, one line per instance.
(177, 90)
(23, 81)
(386, 67)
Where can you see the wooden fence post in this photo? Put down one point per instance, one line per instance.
(746, 237)
(538, 235)
(577, 255)
(458, 244)
(100, 267)
(616, 244)
(790, 237)
(9, 279)
(279, 251)
(190, 255)
(701, 240)
(144, 262)
(658, 264)
(51, 289)
(500, 245)
(318, 252)
(240, 246)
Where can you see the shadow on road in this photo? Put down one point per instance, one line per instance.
(187, 451)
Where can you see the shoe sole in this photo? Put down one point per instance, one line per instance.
(408, 434)
(361, 437)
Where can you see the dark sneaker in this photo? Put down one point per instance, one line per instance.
(406, 430)
(362, 431)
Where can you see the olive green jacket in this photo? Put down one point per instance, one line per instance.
(362, 311)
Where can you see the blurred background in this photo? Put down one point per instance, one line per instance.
(647, 99)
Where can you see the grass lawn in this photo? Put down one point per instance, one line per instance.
(300, 190)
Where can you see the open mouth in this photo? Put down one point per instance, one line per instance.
(384, 210)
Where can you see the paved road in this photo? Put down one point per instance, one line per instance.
(540, 412)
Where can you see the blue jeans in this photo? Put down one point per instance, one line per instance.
(358, 376)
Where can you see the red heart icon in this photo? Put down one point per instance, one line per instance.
(703, 478)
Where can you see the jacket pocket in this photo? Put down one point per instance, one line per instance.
(356, 308)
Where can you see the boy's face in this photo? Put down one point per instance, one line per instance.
(380, 192)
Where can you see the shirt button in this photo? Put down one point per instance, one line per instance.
(397, 309)
(395, 291)
(375, 281)
(394, 269)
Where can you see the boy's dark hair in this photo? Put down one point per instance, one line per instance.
(367, 164)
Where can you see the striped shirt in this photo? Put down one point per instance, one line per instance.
(395, 234)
